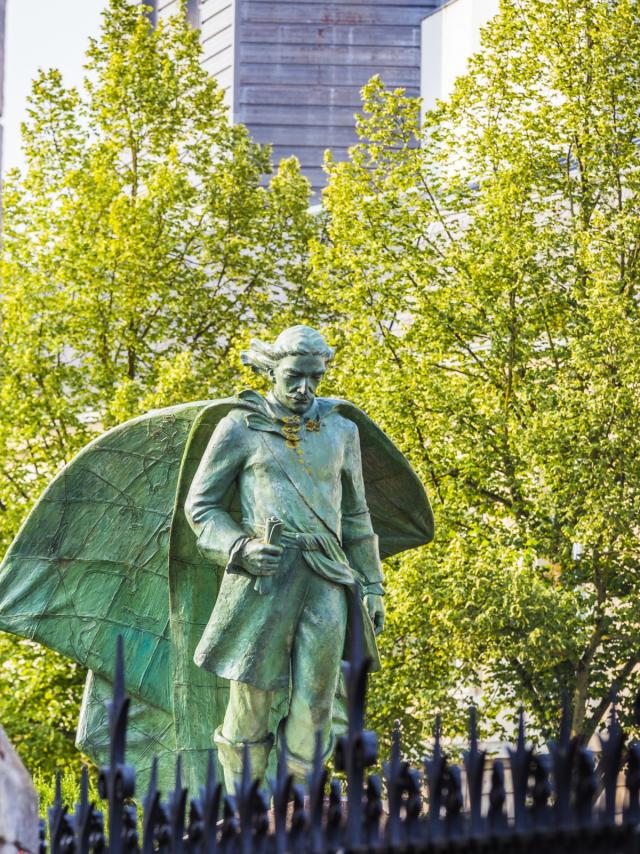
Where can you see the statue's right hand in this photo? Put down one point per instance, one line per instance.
(259, 558)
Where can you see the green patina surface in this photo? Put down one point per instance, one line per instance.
(107, 550)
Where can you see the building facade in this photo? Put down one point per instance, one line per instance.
(3, 21)
(450, 35)
(292, 70)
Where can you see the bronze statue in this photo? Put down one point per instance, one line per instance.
(220, 539)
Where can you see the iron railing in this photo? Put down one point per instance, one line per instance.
(559, 801)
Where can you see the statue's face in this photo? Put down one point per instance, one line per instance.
(295, 380)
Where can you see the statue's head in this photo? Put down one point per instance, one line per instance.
(295, 363)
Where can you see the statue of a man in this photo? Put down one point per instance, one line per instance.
(293, 456)
(219, 538)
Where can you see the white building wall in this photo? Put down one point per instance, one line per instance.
(449, 37)
(167, 7)
(216, 19)
(217, 22)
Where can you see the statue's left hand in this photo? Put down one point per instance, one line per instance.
(375, 609)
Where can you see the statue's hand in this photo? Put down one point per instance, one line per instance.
(259, 558)
(375, 609)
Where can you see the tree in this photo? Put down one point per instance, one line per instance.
(143, 241)
(487, 285)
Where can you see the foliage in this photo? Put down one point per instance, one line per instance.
(142, 244)
(486, 281)
(45, 786)
(483, 291)
(40, 703)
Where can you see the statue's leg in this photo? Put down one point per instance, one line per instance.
(246, 720)
(316, 658)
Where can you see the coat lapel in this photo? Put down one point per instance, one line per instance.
(297, 475)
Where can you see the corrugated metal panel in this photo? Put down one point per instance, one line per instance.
(298, 137)
(292, 70)
(266, 73)
(310, 55)
(339, 95)
(300, 64)
(301, 115)
(287, 33)
(335, 14)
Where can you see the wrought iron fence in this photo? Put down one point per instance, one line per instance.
(560, 801)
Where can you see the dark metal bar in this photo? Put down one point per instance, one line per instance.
(611, 754)
(520, 764)
(474, 760)
(117, 782)
(306, 822)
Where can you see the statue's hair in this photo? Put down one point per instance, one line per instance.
(295, 341)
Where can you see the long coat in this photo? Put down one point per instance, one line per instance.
(307, 472)
(107, 551)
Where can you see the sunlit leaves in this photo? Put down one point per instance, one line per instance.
(486, 290)
(144, 238)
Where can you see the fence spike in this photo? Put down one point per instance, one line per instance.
(150, 811)
(130, 828)
(611, 748)
(520, 763)
(203, 813)
(394, 779)
(317, 785)
(229, 829)
(83, 816)
(210, 797)
(359, 748)
(60, 830)
(42, 836)
(453, 802)
(117, 782)
(299, 821)
(474, 761)
(281, 791)
(245, 791)
(177, 806)
(334, 817)
(435, 775)
(586, 786)
(195, 827)
(541, 791)
(413, 806)
(496, 818)
(632, 783)
(260, 820)
(563, 752)
(373, 811)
